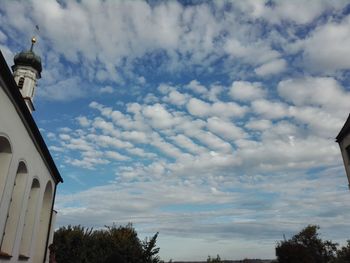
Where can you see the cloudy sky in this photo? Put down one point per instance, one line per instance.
(210, 122)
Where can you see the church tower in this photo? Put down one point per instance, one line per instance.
(343, 139)
(26, 70)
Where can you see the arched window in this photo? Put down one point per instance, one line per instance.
(29, 220)
(20, 82)
(15, 209)
(44, 224)
(5, 158)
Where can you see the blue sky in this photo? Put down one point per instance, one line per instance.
(210, 122)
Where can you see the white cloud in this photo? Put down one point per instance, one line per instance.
(289, 10)
(225, 129)
(51, 135)
(272, 67)
(86, 162)
(66, 89)
(176, 98)
(198, 107)
(315, 91)
(116, 156)
(258, 124)
(201, 108)
(243, 90)
(108, 141)
(79, 144)
(107, 89)
(195, 86)
(254, 54)
(140, 152)
(269, 109)
(83, 121)
(64, 137)
(336, 37)
(105, 126)
(186, 143)
(159, 116)
(135, 136)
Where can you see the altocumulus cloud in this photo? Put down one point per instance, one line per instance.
(211, 122)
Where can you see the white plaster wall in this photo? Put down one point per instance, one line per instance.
(343, 144)
(23, 148)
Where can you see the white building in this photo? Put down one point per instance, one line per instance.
(343, 139)
(28, 174)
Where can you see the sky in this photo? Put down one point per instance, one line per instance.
(210, 122)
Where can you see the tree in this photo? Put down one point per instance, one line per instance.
(150, 250)
(70, 244)
(306, 247)
(343, 254)
(113, 244)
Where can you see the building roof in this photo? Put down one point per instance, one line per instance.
(344, 131)
(15, 96)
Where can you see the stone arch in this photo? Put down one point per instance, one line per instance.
(44, 224)
(15, 208)
(5, 159)
(29, 219)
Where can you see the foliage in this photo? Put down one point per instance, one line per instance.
(343, 254)
(306, 247)
(214, 260)
(76, 244)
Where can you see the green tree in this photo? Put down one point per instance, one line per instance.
(70, 243)
(306, 247)
(112, 244)
(150, 250)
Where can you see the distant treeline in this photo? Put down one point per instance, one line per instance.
(233, 261)
(76, 244)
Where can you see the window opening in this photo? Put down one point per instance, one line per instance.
(20, 82)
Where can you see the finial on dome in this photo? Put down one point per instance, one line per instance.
(33, 42)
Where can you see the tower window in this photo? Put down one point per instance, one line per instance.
(20, 82)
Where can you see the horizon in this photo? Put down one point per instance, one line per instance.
(212, 123)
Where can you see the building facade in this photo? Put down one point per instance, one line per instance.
(28, 174)
(343, 139)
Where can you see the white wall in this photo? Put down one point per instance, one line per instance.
(23, 149)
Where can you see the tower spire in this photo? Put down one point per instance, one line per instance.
(33, 42)
(26, 71)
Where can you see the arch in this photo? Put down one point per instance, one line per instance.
(5, 159)
(15, 209)
(44, 224)
(29, 219)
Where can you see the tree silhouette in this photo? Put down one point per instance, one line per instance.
(76, 244)
(306, 247)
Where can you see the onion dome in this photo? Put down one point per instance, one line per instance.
(29, 58)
